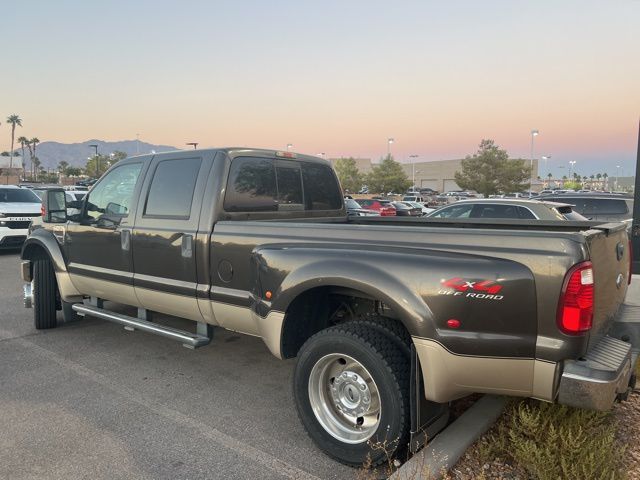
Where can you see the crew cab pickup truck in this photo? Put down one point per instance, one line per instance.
(390, 318)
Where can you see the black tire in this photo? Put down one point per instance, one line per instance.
(389, 368)
(68, 313)
(393, 329)
(44, 294)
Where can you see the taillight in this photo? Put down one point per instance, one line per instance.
(575, 308)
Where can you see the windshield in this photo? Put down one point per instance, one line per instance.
(18, 195)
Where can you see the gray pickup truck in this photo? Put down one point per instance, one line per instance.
(390, 318)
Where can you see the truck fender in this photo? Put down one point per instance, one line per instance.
(43, 241)
(411, 309)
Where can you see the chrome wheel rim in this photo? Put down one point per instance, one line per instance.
(344, 398)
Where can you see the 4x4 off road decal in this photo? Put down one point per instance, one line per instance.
(480, 289)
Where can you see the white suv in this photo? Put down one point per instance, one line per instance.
(18, 206)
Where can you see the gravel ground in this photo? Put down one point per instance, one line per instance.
(626, 414)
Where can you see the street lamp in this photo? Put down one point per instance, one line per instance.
(534, 134)
(389, 142)
(192, 144)
(289, 146)
(413, 171)
(617, 175)
(571, 164)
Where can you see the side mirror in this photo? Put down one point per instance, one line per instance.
(54, 206)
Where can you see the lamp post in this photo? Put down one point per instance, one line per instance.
(534, 134)
(289, 146)
(193, 144)
(389, 142)
(97, 160)
(413, 171)
(617, 175)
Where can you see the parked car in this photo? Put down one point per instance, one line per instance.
(413, 198)
(354, 209)
(18, 206)
(598, 206)
(405, 209)
(384, 207)
(389, 320)
(422, 206)
(508, 208)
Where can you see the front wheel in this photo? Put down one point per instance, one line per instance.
(44, 294)
(351, 386)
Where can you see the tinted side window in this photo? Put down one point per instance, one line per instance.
(606, 206)
(172, 187)
(251, 186)
(525, 213)
(321, 191)
(495, 211)
(456, 211)
(289, 183)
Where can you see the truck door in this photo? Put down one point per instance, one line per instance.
(163, 240)
(97, 246)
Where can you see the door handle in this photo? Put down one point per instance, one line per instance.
(125, 239)
(187, 246)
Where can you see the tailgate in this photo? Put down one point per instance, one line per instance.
(609, 252)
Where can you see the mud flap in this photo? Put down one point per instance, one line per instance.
(427, 418)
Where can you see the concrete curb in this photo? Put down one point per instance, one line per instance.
(444, 451)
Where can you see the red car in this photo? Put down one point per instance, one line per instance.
(385, 207)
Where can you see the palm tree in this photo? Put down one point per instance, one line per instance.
(62, 167)
(35, 163)
(13, 120)
(605, 176)
(33, 142)
(23, 141)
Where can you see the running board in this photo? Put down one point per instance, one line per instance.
(188, 339)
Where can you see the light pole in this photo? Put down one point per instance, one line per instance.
(192, 144)
(289, 146)
(534, 134)
(389, 142)
(413, 171)
(617, 175)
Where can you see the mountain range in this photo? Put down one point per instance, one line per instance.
(52, 153)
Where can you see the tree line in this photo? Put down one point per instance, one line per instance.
(488, 171)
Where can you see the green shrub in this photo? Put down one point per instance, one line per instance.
(556, 442)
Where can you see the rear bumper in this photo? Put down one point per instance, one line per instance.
(596, 380)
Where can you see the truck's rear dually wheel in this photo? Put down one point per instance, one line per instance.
(351, 386)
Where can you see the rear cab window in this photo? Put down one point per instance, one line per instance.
(258, 184)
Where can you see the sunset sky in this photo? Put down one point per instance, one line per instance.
(338, 77)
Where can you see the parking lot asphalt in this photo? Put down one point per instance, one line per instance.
(90, 400)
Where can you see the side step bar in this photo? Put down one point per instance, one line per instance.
(188, 339)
